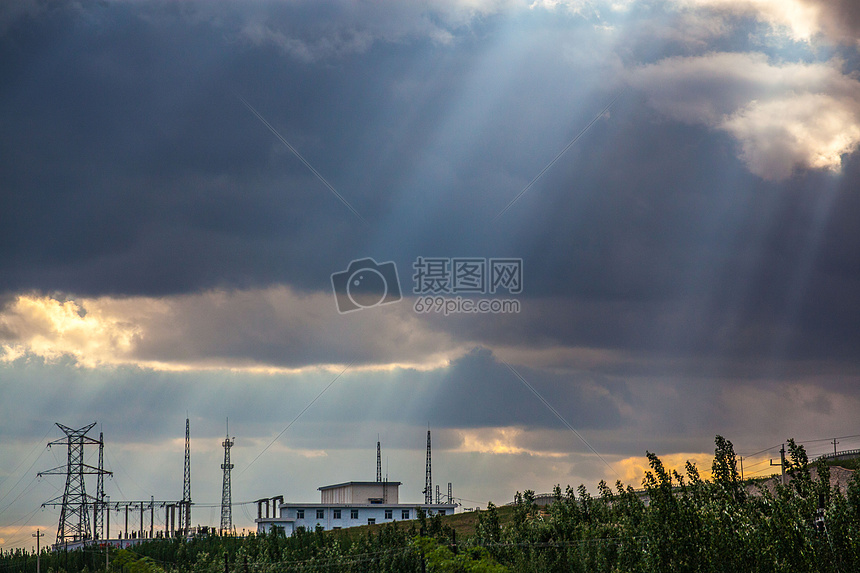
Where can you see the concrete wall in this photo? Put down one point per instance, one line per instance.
(289, 518)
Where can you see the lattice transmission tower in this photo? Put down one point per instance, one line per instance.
(226, 500)
(75, 502)
(428, 476)
(98, 515)
(185, 504)
(378, 461)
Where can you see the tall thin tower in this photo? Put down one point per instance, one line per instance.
(226, 501)
(98, 514)
(185, 506)
(378, 461)
(74, 518)
(428, 476)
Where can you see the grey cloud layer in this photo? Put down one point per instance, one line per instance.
(137, 172)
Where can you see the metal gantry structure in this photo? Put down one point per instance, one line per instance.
(226, 501)
(75, 503)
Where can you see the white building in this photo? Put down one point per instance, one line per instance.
(344, 505)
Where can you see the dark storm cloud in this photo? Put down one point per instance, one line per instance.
(129, 167)
(132, 169)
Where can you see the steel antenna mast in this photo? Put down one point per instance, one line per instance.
(378, 461)
(428, 475)
(226, 501)
(185, 505)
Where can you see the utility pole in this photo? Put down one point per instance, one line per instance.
(151, 516)
(37, 535)
(834, 442)
(781, 463)
(107, 534)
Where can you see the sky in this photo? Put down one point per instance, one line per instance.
(558, 233)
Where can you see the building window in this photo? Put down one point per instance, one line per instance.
(441, 512)
(404, 514)
(371, 520)
(300, 514)
(353, 514)
(320, 514)
(388, 513)
(336, 514)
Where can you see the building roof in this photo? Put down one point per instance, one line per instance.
(397, 483)
(316, 505)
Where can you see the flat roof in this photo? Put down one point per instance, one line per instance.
(359, 483)
(316, 505)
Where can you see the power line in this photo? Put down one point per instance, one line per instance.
(559, 416)
(25, 474)
(26, 490)
(817, 440)
(560, 153)
(128, 475)
(24, 459)
(301, 158)
(299, 415)
(29, 517)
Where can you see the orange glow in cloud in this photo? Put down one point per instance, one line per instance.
(177, 333)
(497, 441)
(632, 470)
(51, 329)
